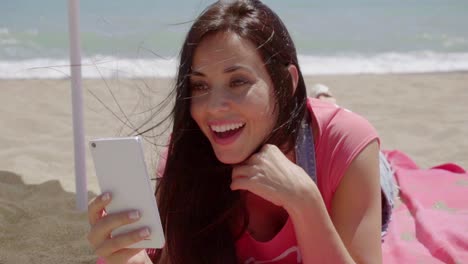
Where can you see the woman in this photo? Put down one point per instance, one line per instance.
(255, 172)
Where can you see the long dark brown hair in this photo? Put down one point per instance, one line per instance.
(202, 217)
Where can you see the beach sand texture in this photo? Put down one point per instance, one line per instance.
(424, 115)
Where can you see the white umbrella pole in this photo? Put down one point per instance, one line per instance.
(77, 105)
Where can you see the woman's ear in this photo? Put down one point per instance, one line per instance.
(292, 69)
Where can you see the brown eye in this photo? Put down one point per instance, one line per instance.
(238, 82)
(198, 86)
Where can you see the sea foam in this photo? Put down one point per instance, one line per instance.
(113, 67)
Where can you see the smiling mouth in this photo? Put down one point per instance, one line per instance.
(226, 134)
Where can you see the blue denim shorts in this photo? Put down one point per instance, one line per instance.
(389, 191)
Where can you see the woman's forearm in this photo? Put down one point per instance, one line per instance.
(317, 238)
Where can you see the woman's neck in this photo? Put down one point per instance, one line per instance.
(265, 218)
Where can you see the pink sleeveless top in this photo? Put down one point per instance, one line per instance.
(341, 136)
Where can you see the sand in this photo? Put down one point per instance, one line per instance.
(424, 115)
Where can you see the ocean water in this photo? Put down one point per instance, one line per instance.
(142, 38)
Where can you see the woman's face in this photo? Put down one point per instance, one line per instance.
(232, 96)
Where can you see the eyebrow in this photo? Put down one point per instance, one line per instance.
(227, 70)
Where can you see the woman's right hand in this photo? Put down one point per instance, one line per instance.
(113, 249)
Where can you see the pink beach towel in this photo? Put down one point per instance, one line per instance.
(430, 220)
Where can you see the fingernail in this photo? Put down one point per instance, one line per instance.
(144, 233)
(134, 215)
(105, 197)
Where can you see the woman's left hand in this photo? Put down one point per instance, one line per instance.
(272, 176)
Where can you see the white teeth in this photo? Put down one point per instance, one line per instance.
(224, 128)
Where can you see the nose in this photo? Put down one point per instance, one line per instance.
(219, 101)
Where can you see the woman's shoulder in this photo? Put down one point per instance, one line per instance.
(336, 121)
(341, 136)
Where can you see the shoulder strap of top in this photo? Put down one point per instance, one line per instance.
(305, 150)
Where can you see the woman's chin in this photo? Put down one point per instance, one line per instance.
(230, 159)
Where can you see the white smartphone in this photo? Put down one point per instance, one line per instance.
(121, 169)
